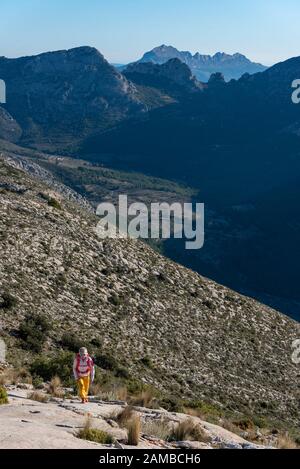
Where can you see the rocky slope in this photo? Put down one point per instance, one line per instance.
(183, 334)
(203, 65)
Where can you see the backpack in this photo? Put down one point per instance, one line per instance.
(89, 363)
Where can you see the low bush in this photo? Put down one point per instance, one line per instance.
(54, 203)
(94, 434)
(106, 362)
(34, 332)
(172, 404)
(202, 409)
(37, 382)
(3, 396)
(7, 301)
(146, 361)
(60, 365)
(71, 342)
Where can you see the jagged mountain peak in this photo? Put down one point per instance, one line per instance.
(203, 65)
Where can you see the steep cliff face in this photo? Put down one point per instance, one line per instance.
(204, 340)
(66, 94)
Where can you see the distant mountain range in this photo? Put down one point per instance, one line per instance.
(202, 66)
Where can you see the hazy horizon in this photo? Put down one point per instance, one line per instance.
(124, 62)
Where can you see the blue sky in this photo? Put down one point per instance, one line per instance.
(265, 30)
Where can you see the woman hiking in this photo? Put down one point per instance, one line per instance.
(84, 373)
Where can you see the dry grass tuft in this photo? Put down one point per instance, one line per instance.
(188, 430)
(134, 430)
(38, 396)
(130, 420)
(109, 393)
(124, 416)
(157, 429)
(144, 399)
(285, 442)
(55, 387)
(15, 376)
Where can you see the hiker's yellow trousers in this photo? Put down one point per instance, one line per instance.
(83, 384)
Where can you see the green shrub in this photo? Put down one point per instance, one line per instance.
(115, 300)
(51, 200)
(204, 408)
(172, 404)
(3, 396)
(60, 365)
(54, 203)
(94, 434)
(37, 381)
(122, 372)
(95, 342)
(147, 362)
(106, 362)
(34, 331)
(8, 301)
(71, 342)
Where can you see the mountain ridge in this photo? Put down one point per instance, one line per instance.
(65, 94)
(203, 65)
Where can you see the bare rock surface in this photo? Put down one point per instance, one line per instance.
(31, 424)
